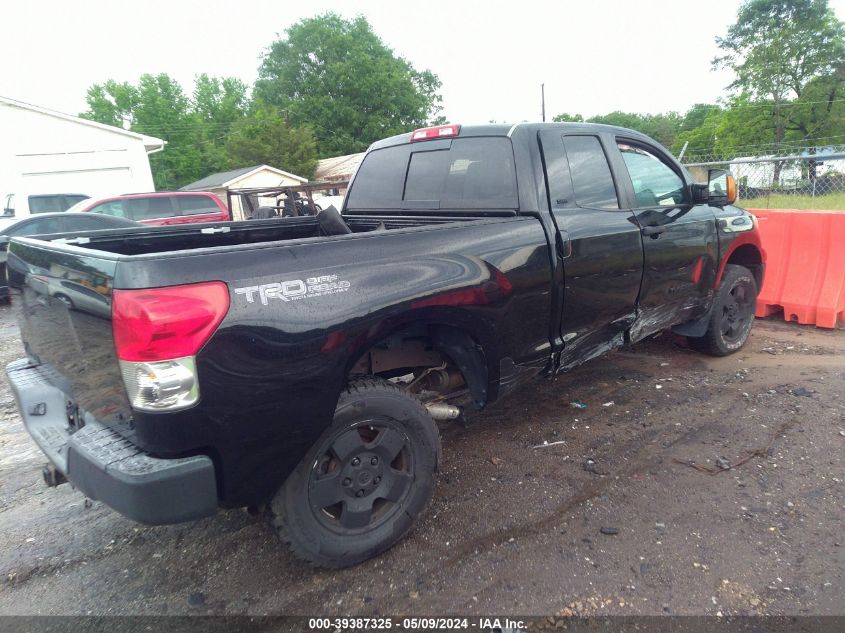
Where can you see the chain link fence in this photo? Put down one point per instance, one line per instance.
(799, 180)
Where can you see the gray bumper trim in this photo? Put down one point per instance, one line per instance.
(106, 466)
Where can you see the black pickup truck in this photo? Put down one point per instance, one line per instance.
(299, 365)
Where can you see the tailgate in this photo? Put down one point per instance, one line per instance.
(62, 297)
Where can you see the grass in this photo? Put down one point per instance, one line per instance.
(834, 201)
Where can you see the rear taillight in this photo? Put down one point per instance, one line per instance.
(166, 323)
(438, 131)
(157, 333)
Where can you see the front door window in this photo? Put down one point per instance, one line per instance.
(655, 183)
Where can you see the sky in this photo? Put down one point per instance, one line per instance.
(593, 57)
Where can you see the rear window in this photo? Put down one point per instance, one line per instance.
(194, 205)
(468, 173)
(54, 203)
(45, 204)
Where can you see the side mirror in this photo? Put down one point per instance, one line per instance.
(721, 187)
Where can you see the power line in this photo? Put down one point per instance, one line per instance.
(730, 108)
(802, 143)
(785, 104)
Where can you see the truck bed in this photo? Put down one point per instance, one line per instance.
(145, 241)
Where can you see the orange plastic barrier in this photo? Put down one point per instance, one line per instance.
(805, 265)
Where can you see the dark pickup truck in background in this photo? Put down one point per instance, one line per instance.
(299, 364)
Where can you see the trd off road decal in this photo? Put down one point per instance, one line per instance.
(294, 289)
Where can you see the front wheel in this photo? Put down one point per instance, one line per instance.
(66, 300)
(363, 484)
(732, 315)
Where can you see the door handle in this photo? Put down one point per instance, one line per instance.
(564, 245)
(654, 231)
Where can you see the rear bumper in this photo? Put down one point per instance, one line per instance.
(106, 466)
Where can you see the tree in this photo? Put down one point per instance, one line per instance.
(162, 110)
(661, 127)
(220, 101)
(264, 137)
(776, 47)
(195, 128)
(745, 128)
(338, 77)
(820, 113)
(565, 117)
(741, 127)
(157, 106)
(777, 50)
(696, 117)
(111, 103)
(698, 131)
(217, 105)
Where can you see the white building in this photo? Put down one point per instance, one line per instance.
(759, 171)
(47, 152)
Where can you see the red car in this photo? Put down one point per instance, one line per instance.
(169, 207)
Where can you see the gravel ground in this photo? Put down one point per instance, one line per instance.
(541, 508)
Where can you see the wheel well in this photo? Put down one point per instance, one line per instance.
(748, 256)
(432, 358)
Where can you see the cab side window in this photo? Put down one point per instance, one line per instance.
(655, 183)
(558, 180)
(591, 177)
(113, 208)
(577, 172)
(150, 208)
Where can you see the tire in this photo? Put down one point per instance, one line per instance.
(65, 299)
(364, 483)
(732, 315)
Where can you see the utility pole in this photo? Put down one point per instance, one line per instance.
(543, 100)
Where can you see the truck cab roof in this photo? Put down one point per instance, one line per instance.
(509, 129)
